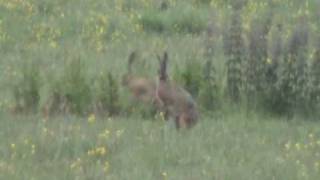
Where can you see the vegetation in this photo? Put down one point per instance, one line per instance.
(252, 68)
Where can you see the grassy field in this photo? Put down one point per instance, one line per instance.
(227, 147)
(41, 39)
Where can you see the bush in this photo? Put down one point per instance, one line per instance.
(314, 79)
(256, 79)
(26, 87)
(272, 100)
(106, 94)
(182, 18)
(77, 88)
(293, 82)
(69, 90)
(209, 93)
(190, 76)
(235, 53)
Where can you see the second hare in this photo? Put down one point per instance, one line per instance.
(178, 103)
(142, 88)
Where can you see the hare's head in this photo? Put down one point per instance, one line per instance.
(163, 66)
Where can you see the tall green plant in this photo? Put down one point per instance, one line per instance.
(106, 94)
(75, 86)
(273, 101)
(209, 93)
(234, 50)
(26, 87)
(294, 75)
(191, 76)
(315, 77)
(256, 66)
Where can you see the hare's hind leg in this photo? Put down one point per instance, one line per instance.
(184, 121)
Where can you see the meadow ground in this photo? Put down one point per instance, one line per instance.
(38, 39)
(225, 147)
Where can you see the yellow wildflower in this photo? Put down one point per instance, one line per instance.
(53, 44)
(33, 149)
(45, 130)
(298, 146)
(91, 152)
(119, 132)
(76, 163)
(26, 141)
(162, 115)
(164, 175)
(92, 118)
(106, 166)
(13, 146)
(101, 150)
(287, 145)
(316, 165)
(104, 134)
(269, 61)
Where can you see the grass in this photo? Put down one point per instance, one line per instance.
(101, 34)
(226, 147)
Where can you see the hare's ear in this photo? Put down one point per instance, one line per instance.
(165, 56)
(158, 57)
(131, 58)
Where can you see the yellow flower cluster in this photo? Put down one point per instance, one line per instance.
(106, 167)
(92, 119)
(21, 151)
(105, 134)
(76, 164)
(304, 154)
(99, 151)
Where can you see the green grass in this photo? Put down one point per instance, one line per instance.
(226, 147)
(102, 34)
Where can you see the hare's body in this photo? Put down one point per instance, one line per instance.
(177, 101)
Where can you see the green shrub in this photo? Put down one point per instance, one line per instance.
(153, 21)
(235, 54)
(314, 79)
(25, 88)
(272, 101)
(294, 75)
(202, 2)
(209, 92)
(256, 83)
(182, 18)
(192, 77)
(106, 94)
(75, 86)
(189, 76)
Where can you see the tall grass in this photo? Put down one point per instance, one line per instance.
(64, 59)
(265, 64)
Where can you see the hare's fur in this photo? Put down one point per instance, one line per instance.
(142, 88)
(177, 101)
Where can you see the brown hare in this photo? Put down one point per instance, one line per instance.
(142, 88)
(177, 101)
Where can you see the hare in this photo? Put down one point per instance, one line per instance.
(178, 102)
(142, 88)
